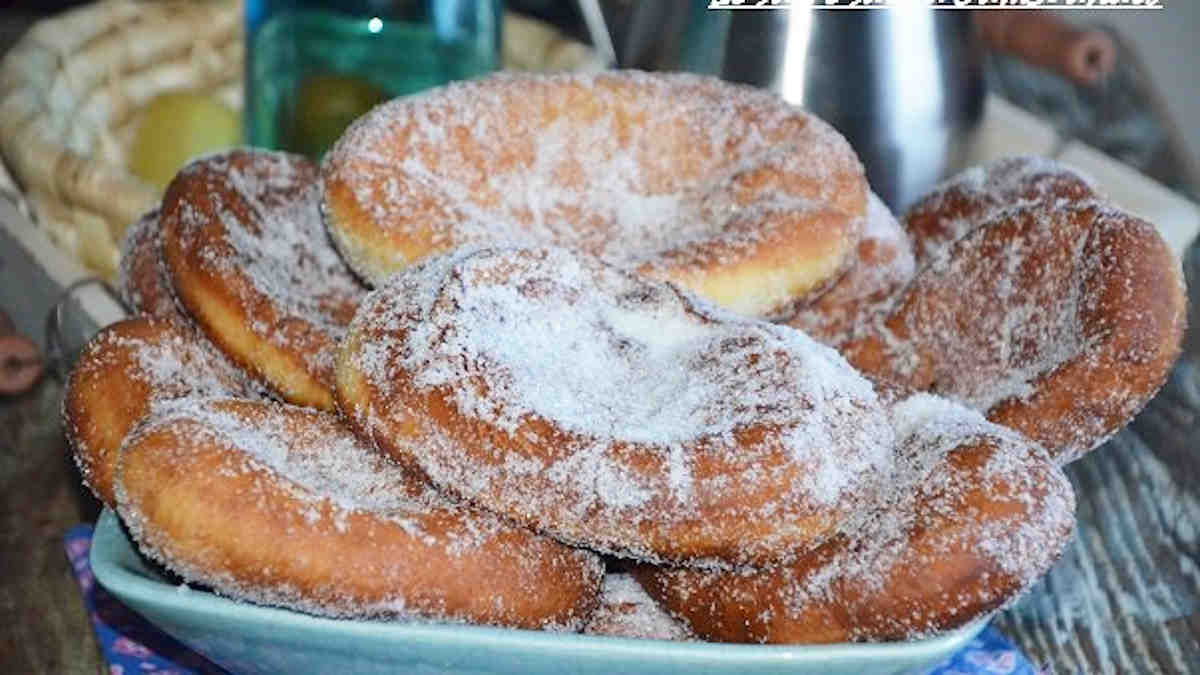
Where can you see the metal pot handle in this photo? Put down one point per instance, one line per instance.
(59, 357)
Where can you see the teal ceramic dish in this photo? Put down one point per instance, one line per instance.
(247, 638)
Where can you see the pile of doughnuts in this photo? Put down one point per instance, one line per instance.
(628, 354)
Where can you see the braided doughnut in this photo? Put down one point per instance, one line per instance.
(727, 190)
(979, 514)
(126, 371)
(281, 505)
(1057, 322)
(612, 411)
(249, 260)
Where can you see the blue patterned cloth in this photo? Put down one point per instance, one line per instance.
(131, 645)
(989, 653)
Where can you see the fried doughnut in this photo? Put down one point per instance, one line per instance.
(612, 411)
(141, 275)
(1060, 323)
(250, 261)
(625, 610)
(281, 505)
(979, 515)
(964, 202)
(883, 265)
(123, 373)
(727, 190)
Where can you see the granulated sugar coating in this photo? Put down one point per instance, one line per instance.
(250, 260)
(141, 276)
(883, 264)
(726, 189)
(612, 411)
(280, 505)
(626, 611)
(1059, 321)
(127, 371)
(976, 515)
(965, 201)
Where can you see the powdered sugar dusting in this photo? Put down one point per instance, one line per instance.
(1063, 312)
(141, 277)
(129, 370)
(967, 495)
(317, 454)
(1031, 325)
(252, 221)
(169, 360)
(612, 359)
(362, 536)
(631, 167)
(964, 202)
(611, 356)
(930, 429)
(627, 611)
(883, 265)
(179, 366)
(1028, 267)
(1037, 301)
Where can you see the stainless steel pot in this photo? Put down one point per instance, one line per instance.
(904, 85)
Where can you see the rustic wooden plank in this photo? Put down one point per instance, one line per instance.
(45, 627)
(1126, 595)
(1186, 630)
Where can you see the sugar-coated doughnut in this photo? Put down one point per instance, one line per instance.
(282, 505)
(978, 515)
(967, 200)
(1060, 322)
(883, 264)
(725, 189)
(249, 259)
(610, 410)
(123, 373)
(141, 275)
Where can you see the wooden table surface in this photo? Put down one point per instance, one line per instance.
(45, 627)
(1125, 597)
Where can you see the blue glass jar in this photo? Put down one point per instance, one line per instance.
(312, 66)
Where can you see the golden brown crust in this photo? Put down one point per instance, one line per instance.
(1039, 303)
(960, 205)
(1084, 319)
(718, 531)
(983, 517)
(142, 277)
(1135, 319)
(327, 526)
(730, 192)
(882, 265)
(769, 444)
(121, 375)
(248, 258)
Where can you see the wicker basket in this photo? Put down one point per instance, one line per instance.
(72, 88)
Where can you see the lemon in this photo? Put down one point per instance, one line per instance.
(176, 127)
(324, 105)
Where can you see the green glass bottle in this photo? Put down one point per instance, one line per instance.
(313, 66)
